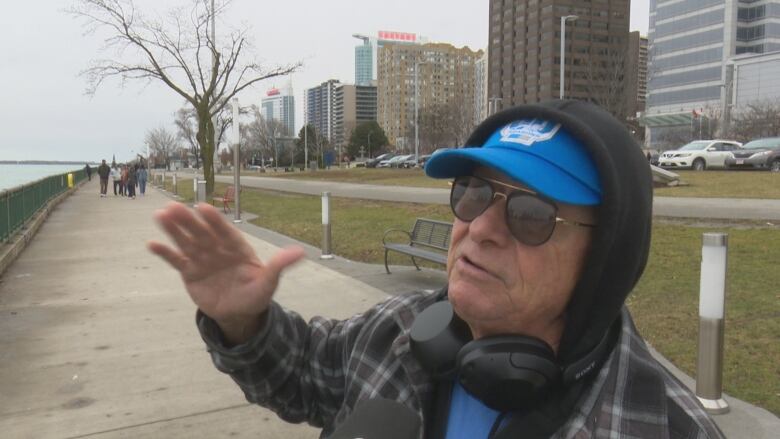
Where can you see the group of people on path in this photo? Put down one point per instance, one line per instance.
(126, 178)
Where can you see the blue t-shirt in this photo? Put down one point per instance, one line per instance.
(469, 418)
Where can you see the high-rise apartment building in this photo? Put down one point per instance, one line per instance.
(524, 51)
(318, 107)
(279, 105)
(692, 49)
(366, 53)
(636, 74)
(481, 89)
(445, 79)
(353, 105)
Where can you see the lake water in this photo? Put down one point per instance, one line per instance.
(16, 175)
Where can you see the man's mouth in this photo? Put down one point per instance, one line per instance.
(479, 270)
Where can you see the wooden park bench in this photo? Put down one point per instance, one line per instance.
(429, 240)
(229, 197)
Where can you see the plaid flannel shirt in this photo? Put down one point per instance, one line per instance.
(317, 372)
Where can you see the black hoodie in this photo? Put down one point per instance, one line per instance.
(621, 241)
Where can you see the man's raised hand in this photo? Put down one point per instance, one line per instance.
(221, 272)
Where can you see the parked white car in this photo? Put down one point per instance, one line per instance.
(700, 155)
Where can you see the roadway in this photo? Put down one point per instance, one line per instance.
(676, 207)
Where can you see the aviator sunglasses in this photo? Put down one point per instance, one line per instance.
(530, 218)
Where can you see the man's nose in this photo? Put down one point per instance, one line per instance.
(490, 225)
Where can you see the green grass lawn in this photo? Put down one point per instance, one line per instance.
(384, 176)
(664, 303)
(726, 184)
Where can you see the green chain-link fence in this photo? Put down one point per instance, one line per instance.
(19, 204)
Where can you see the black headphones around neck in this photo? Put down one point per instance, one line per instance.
(506, 372)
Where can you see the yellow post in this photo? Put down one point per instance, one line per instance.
(70, 180)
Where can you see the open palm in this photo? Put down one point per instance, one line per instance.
(221, 272)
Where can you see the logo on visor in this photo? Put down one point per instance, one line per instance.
(529, 131)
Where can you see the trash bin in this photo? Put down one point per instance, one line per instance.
(70, 180)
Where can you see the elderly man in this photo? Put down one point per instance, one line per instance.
(530, 337)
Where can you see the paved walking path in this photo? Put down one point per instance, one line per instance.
(713, 208)
(98, 336)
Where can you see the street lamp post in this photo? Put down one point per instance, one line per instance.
(215, 159)
(563, 46)
(416, 121)
(305, 146)
(276, 150)
(236, 162)
(369, 143)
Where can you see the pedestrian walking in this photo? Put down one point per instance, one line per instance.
(116, 177)
(131, 181)
(88, 171)
(123, 184)
(103, 171)
(142, 176)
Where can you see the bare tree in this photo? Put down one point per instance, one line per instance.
(186, 130)
(444, 125)
(673, 138)
(180, 52)
(607, 81)
(261, 136)
(163, 144)
(756, 120)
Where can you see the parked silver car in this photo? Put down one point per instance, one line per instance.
(394, 162)
(760, 153)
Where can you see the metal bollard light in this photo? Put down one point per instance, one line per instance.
(201, 190)
(198, 191)
(195, 191)
(712, 298)
(326, 241)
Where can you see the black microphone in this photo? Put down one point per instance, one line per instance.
(379, 418)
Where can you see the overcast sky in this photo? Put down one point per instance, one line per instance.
(47, 116)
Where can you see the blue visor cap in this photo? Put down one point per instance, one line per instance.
(538, 153)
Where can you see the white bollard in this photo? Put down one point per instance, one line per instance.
(712, 298)
(195, 191)
(326, 241)
(200, 191)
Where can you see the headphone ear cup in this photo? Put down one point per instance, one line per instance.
(436, 337)
(508, 372)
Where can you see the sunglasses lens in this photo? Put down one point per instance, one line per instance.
(530, 219)
(470, 197)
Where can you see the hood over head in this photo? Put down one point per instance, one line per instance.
(620, 188)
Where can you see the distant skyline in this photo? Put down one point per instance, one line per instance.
(47, 116)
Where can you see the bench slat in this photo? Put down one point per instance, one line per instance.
(432, 233)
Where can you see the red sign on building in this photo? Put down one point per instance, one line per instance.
(273, 92)
(397, 36)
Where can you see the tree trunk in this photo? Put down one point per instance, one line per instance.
(205, 138)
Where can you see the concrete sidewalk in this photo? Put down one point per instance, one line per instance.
(99, 338)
